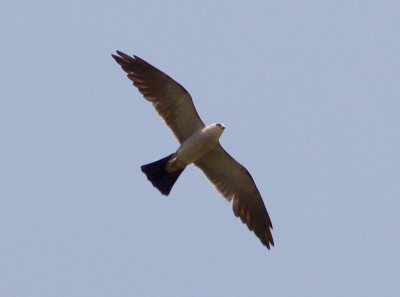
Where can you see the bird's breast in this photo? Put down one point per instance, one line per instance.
(196, 146)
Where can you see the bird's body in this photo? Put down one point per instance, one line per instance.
(199, 144)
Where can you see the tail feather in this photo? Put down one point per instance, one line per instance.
(159, 176)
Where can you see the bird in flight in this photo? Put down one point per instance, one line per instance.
(199, 144)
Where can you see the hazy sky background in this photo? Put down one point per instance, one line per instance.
(310, 94)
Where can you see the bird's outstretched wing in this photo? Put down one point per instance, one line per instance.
(171, 100)
(235, 183)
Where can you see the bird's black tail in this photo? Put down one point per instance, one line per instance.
(159, 176)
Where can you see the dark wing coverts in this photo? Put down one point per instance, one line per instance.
(173, 103)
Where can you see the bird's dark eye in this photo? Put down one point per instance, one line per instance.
(218, 125)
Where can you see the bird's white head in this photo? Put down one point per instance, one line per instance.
(217, 129)
(220, 126)
(214, 130)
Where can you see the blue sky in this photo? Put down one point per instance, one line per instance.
(309, 92)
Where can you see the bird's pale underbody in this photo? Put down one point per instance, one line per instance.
(199, 144)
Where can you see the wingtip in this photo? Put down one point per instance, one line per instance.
(267, 241)
(121, 54)
(271, 241)
(117, 57)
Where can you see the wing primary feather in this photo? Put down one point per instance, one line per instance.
(171, 100)
(235, 183)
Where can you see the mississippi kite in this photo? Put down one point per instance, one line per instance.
(199, 144)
